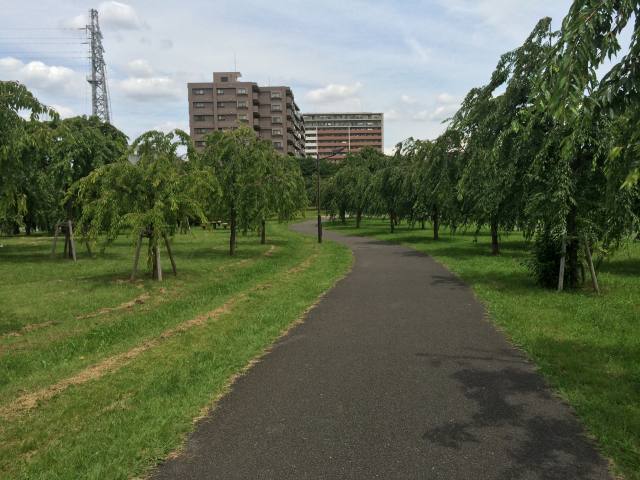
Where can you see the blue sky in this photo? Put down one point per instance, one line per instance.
(412, 60)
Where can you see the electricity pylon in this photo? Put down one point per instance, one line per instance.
(98, 77)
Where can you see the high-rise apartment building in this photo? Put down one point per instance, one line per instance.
(228, 102)
(328, 132)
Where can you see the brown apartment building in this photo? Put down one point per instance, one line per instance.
(228, 102)
(328, 132)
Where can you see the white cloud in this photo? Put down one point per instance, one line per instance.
(140, 68)
(111, 15)
(391, 115)
(446, 98)
(119, 16)
(152, 88)
(40, 76)
(407, 99)
(64, 112)
(334, 93)
(170, 126)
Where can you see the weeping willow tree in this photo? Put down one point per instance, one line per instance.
(256, 182)
(148, 192)
(586, 169)
(17, 143)
(491, 186)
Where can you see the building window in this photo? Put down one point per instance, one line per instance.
(220, 104)
(276, 132)
(277, 145)
(199, 143)
(243, 118)
(242, 91)
(276, 107)
(242, 104)
(199, 104)
(220, 91)
(221, 118)
(224, 79)
(276, 119)
(276, 95)
(198, 91)
(199, 118)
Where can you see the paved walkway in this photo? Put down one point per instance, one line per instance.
(396, 374)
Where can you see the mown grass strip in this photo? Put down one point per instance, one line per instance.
(121, 424)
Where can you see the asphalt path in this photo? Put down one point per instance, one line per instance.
(396, 374)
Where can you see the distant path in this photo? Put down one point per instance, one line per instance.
(396, 374)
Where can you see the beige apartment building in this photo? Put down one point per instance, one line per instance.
(327, 132)
(228, 102)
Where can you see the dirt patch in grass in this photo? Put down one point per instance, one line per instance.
(28, 328)
(139, 300)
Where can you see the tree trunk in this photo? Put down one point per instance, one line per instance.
(422, 223)
(594, 277)
(358, 218)
(232, 236)
(563, 259)
(343, 216)
(392, 222)
(436, 224)
(573, 245)
(155, 256)
(495, 245)
(263, 231)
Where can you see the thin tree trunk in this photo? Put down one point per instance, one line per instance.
(436, 224)
(232, 234)
(573, 244)
(563, 255)
(173, 262)
(495, 245)
(136, 257)
(594, 278)
(263, 231)
(343, 216)
(422, 223)
(392, 222)
(72, 243)
(358, 218)
(157, 266)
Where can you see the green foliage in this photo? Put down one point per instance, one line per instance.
(152, 190)
(255, 182)
(17, 143)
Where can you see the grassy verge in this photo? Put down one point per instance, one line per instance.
(144, 359)
(587, 346)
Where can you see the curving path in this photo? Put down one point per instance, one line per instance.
(396, 374)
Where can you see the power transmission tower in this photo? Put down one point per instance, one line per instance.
(98, 78)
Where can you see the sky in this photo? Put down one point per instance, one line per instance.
(412, 60)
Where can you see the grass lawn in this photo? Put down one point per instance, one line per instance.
(587, 346)
(101, 377)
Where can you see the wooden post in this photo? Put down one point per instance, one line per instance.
(173, 263)
(562, 262)
(65, 252)
(594, 278)
(158, 264)
(72, 243)
(136, 257)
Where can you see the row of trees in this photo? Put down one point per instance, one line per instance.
(82, 170)
(549, 146)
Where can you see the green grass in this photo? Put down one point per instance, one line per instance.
(122, 423)
(587, 346)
